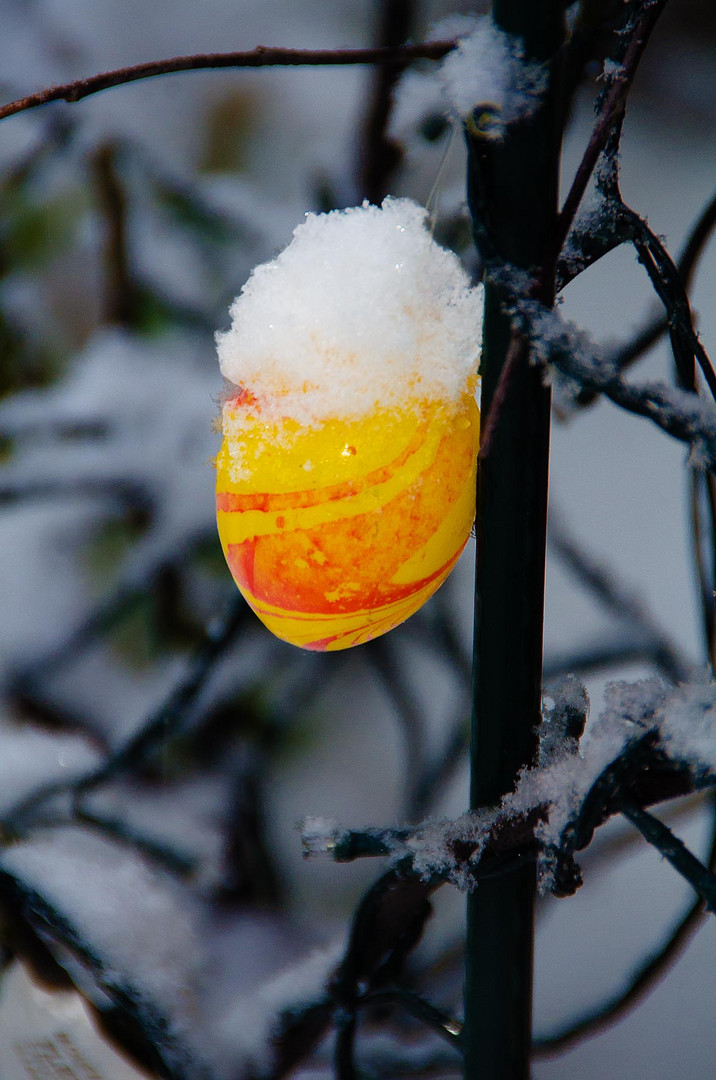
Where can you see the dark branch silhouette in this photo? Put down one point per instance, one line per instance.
(395, 56)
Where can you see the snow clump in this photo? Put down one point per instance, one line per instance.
(488, 68)
(362, 311)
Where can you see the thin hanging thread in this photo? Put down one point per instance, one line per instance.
(434, 195)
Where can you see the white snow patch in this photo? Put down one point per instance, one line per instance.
(362, 310)
(564, 707)
(558, 787)
(612, 70)
(688, 726)
(319, 835)
(488, 68)
(243, 1035)
(138, 922)
(432, 846)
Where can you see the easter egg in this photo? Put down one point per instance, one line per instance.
(346, 475)
(337, 533)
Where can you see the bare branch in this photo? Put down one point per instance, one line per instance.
(610, 114)
(378, 154)
(516, 355)
(168, 716)
(699, 877)
(447, 1027)
(615, 598)
(667, 283)
(121, 295)
(646, 978)
(686, 264)
(396, 56)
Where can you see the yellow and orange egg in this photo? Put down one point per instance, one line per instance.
(337, 533)
(346, 490)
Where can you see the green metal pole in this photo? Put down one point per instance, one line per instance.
(512, 190)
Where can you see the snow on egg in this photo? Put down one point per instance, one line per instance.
(346, 475)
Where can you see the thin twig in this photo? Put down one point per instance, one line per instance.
(602, 584)
(447, 1027)
(705, 571)
(378, 154)
(699, 877)
(516, 354)
(610, 113)
(173, 861)
(158, 727)
(696, 242)
(654, 328)
(646, 978)
(397, 56)
(664, 276)
(121, 295)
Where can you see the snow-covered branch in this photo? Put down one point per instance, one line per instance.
(649, 744)
(583, 366)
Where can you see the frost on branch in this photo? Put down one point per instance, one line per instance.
(644, 726)
(688, 727)
(581, 364)
(565, 707)
(487, 74)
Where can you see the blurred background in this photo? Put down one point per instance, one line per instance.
(129, 222)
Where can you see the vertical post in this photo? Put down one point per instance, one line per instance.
(512, 190)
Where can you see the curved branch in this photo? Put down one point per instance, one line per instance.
(219, 636)
(397, 56)
(670, 289)
(645, 979)
(610, 114)
(654, 328)
(701, 879)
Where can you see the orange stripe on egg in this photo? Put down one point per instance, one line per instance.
(286, 596)
(342, 630)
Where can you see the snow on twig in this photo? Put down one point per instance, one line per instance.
(645, 726)
(488, 75)
(583, 366)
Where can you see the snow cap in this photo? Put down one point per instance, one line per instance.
(362, 311)
(488, 68)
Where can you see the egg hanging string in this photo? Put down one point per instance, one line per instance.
(432, 203)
